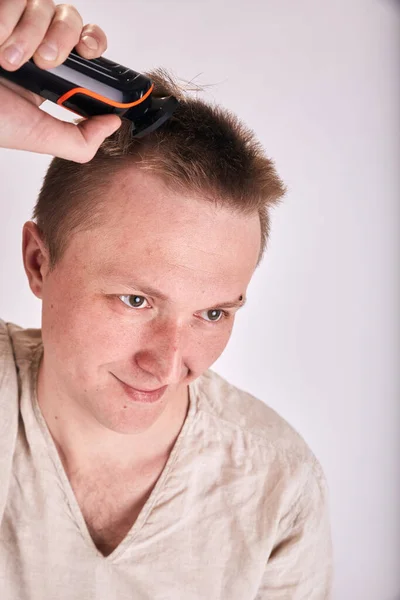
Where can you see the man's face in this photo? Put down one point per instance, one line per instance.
(101, 325)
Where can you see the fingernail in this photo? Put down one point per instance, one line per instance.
(90, 42)
(48, 51)
(13, 54)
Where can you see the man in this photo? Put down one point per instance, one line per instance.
(128, 468)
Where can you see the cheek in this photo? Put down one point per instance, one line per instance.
(79, 328)
(206, 349)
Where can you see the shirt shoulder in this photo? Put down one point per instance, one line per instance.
(10, 388)
(7, 359)
(16, 351)
(267, 433)
(23, 341)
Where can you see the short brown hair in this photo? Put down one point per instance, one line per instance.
(202, 149)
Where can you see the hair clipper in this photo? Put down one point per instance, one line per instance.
(97, 86)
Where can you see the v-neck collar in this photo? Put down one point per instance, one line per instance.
(69, 493)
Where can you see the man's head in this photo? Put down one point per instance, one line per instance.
(134, 254)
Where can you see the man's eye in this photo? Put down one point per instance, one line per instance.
(215, 315)
(133, 301)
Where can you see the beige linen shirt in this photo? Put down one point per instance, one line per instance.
(238, 513)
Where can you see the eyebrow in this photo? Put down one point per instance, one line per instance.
(151, 291)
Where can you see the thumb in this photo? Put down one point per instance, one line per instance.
(90, 133)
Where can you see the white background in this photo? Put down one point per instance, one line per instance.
(319, 339)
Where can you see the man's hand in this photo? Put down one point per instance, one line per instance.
(48, 33)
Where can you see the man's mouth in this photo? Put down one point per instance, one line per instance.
(140, 395)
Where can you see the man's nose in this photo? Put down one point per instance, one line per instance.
(162, 354)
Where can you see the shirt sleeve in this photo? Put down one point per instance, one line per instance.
(300, 564)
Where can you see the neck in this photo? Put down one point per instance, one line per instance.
(82, 442)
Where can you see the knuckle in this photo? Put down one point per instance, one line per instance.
(31, 27)
(63, 33)
(42, 5)
(65, 29)
(9, 20)
(68, 12)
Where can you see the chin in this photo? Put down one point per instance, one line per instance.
(130, 418)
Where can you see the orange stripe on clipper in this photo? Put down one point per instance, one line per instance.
(74, 91)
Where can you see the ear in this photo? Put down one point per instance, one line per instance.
(35, 257)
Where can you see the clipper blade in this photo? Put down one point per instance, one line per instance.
(159, 111)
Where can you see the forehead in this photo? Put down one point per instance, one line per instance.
(148, 227)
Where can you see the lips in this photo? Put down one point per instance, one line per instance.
(146, 396)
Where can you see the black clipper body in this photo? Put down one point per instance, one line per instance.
(96, 87)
